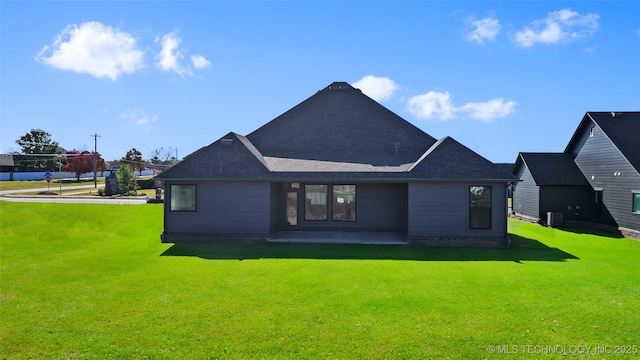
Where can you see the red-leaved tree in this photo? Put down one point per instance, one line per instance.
(78, 162)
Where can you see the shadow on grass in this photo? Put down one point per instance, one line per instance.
(608, 232)
(522, 249)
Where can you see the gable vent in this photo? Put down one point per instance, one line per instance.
(226, 142)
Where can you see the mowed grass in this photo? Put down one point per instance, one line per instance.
(94, 281)
(54, 185)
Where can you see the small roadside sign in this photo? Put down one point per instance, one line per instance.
(48, 176)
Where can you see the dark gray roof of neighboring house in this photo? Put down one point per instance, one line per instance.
(338, 133)
(6, 160)
(623, 129)
(552, 168)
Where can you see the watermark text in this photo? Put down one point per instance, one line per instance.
(589, 350)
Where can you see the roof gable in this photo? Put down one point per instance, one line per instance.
(622, 128)
(341, 124)
(552, 169)
(336, 133)
(448, 159)
(232, 156)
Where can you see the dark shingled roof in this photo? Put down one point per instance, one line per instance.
(6, 160)
(552, 168)
(338, 133)
(231, 157)
(507, 167)
(624, 131)
(448, 159)
(341, 124)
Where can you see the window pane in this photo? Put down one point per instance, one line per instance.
(344, 202)
(480, 207)
(183, 198)
(315, 202)
(292, 208)
(636, 203)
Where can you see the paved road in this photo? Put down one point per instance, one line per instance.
(14, 196)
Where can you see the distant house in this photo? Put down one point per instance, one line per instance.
(338, 161)
(6, 163)
(605, 149)
(551, 182)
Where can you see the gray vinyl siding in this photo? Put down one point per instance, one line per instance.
(379, 207)
(277, 218)
(442, 210)
(605, 167)
(383, 206)
(526, 195)
(224, 208)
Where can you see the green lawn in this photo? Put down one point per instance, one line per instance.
(94, 281)
(54, 185)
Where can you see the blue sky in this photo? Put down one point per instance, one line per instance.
(500, 77)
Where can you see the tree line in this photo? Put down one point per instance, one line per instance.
(41, 153)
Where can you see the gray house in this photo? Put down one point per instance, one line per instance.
(6, 163)
(606, 149)
(338, 161)
(551, 182)
(598, 171)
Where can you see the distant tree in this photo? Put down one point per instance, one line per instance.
(127, 180)
(102, 165)
(134, 158)
(163, 158)
(78, 162)
(38, 142)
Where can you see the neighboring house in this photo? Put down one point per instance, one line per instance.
(605, 149)
(551, 182)
(338, 161)
(6, 163)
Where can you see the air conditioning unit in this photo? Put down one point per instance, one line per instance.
(554, 219)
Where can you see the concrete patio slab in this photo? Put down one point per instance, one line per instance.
(339, 237)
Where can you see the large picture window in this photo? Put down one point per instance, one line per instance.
(480, 207)
(315, 202)
(183, 198)
(636, 202)
(344, 202)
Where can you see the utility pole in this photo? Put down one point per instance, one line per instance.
(95, 159)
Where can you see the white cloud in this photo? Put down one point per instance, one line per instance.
(93, 48)
(489, 110)
(439, 105)
(169, 57)
(484, 29)
(199, 62)
(139, 117)
(559, 26)
(377, 88)
(432, 105)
